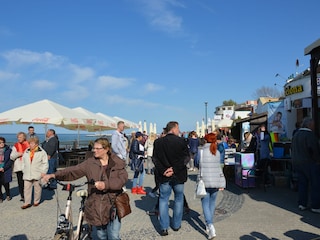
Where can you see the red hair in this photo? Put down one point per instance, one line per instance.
(212, 138)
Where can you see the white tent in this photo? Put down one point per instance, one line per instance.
(140, 126)
(155, 128)
(151, 128)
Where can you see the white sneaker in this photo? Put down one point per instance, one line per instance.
(124, 189)
(315, 210)
(302, 208)
(212, 232)
(207, 228)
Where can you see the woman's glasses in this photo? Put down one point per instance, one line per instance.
(97, 148)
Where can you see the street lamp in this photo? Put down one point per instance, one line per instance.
(206, 114)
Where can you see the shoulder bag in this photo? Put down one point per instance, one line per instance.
(200, 187)
(121, 204)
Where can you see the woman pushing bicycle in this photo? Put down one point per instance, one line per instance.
(109, 174)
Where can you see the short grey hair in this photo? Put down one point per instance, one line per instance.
(306, 122)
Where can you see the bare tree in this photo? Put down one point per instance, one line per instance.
(271, 92)
(229, 102)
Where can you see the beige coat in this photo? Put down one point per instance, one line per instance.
(18, 163)
(32, 170)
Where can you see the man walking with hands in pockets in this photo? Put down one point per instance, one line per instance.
(170, 156)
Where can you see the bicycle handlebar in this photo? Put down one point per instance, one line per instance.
(70, 186)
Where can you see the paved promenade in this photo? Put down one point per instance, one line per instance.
(240, 214)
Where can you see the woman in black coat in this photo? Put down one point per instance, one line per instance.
(5, 169)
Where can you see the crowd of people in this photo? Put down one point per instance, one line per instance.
(168, 157)
(29, 160)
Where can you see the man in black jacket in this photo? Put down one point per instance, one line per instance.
(170, 155)
(51, 146)
(306, 162)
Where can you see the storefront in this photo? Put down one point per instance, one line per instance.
(298, 100)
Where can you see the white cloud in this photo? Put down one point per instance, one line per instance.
(19, 57)
(152, 87)
(43, 85)
(8, 75)
(117, 99)
(113, 82)
(82, 73)
(77, 93)
(161, 16)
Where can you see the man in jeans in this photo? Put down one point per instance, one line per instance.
(118, 141)
(306, 162)
(170, 156)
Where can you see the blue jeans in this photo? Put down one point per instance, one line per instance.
(52, 169)
(141, 178)
(165, 192)
(209, 204)
(308, 174)
(110, 231)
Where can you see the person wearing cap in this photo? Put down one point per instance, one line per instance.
(137, 164)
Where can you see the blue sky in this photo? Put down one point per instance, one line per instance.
(153, 60)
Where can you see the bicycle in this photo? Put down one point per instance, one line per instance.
(65, 229)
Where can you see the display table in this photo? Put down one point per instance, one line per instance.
(244, 174)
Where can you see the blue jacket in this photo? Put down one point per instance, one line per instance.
(136, 156)
(7, 165)
(193, 145)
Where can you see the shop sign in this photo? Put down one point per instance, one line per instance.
(293, 90)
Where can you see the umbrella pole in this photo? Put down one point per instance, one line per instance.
(78, 137)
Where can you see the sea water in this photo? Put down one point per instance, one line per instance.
(66, 140)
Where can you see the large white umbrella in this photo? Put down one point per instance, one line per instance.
(47, 112)
(102, 122)
(112, 121)
(127, 123)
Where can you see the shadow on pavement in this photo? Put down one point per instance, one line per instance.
(19, 237)
(298, 234)
(294, 234)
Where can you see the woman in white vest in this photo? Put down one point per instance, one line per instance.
(213, 178)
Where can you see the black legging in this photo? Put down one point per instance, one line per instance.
(6, 186)
(20, 183)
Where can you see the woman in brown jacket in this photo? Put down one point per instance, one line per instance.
(108, 172)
